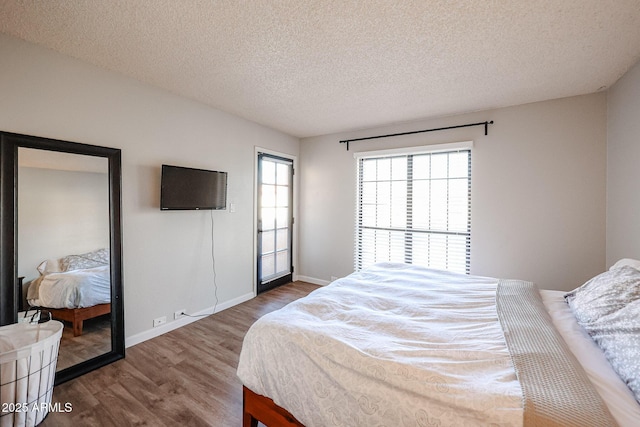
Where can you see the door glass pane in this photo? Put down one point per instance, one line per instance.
(268, 196)
(268, 218)
(282, 217)
(282, 174)
(282, 241)
(268, 265)
(282, 196)
(283, 261)
(268, 238)
(268, 172)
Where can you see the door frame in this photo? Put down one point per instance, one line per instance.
(294, 227)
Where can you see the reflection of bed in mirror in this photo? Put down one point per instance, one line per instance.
(73, 288)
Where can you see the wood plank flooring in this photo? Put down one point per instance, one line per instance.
(94, 341)
(186, 377)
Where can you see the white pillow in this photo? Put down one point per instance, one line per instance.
(92, 259)
(626, 262)
(49, 266)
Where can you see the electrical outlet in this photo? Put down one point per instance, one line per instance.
(178, 314)
(159, 321)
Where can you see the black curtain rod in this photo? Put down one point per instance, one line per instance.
(485, 124)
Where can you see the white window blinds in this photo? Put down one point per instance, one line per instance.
(415, 207)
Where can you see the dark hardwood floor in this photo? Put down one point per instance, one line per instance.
(186, 377)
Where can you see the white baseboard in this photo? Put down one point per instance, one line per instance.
(313, 280)
(183, 321)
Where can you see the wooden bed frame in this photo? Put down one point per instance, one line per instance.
(77, 315)
(256, 408)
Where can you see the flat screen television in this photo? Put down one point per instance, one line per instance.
(192, 189)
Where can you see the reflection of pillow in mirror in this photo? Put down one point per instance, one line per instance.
(628, 262)
(49, 266)
(89, 260)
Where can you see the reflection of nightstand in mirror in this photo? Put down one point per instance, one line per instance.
(20, 294)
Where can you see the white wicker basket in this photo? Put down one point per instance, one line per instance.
(28, 357)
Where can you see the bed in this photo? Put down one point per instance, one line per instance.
(73, 288)
(400, 345)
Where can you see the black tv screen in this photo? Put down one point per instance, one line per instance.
(191, 189)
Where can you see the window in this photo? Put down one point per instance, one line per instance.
(415, 207)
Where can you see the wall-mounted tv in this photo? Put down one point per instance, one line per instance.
(192, 189)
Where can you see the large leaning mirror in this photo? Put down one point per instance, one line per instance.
(61, 245)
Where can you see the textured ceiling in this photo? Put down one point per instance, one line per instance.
(316, 67)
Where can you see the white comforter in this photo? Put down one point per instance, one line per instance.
(74, 289)
(395, 345)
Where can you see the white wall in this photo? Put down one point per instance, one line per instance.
(167, 264)
(538, 181)
(623, 172)
(538, 192)
(60, 213)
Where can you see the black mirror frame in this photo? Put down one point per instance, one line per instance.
(9, 144)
